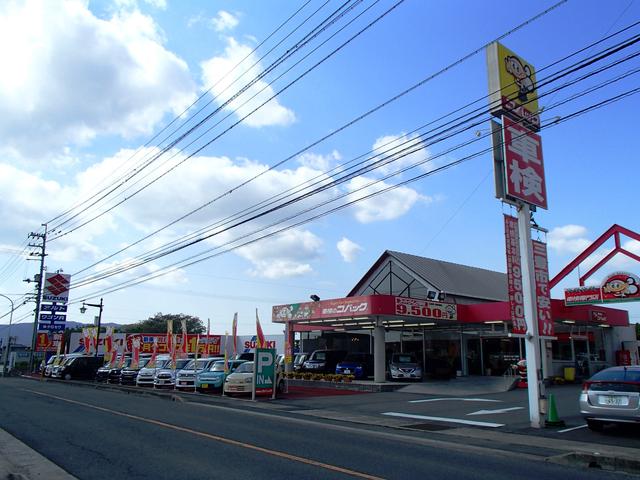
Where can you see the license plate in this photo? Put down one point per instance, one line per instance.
(615, 400)
(346, 370)
(183, 383)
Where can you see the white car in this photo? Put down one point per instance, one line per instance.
(241, 380)
(165, 377)
(185, 378)
(146, 375)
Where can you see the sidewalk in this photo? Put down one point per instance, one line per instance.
(17, 462)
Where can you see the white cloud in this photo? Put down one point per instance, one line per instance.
(224, 21)
(69, 76)
(218, 74)
(397, 148)
(319, 162)
(285, 255)
(348, 249)
(133, 4)
(386, 206)
(568, 239)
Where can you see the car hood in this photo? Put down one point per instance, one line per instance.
(239, 377)
(405, 365)
(210, 374)
(164, 370)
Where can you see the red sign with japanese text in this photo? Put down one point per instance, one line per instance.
(525, 178)
(543, 301)
(582, 295)
(46, 342)
(514, 275)
(209, 345)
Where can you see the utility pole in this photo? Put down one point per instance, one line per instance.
(40, 279)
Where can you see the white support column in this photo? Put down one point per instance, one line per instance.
(378, 353)
(532, 340)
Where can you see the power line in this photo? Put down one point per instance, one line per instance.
(556, 75)
(173, 267)
(350, 123)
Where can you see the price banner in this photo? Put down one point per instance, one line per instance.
(413, 307)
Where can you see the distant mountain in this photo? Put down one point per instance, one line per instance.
(24, 331)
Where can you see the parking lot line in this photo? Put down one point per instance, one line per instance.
(236, 443)
(572, 428)
(444, 419)
(454, 398)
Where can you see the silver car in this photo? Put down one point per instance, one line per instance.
(186, 377)
(611, 396)
(147, 374)
(166, 377)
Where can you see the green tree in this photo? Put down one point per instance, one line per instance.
(158, 324)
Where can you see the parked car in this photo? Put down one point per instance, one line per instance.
(80, 368)
(360, 365)
(298, 361)
(324, 361)
(165, 377)
(49, 366)
(241, 381)
(148, 372)
(55, 370)
(102, 374)
(611, 396)
(114, 373)
(212, 378)
(404, 366)
(129, 374)
(185, 378)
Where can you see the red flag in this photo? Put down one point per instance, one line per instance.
(170, 336)
(174, 352)
(87, 341)
(135, 358)
(260, 340)
(234, 333)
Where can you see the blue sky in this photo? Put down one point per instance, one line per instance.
(88, 83)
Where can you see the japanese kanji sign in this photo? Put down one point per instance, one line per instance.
(543, 301)
(514, 275)
(524, 165)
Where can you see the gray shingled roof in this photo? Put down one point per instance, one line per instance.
(456, 279)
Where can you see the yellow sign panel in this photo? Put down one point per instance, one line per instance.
(512, 85)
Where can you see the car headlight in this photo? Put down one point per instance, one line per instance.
(394, 369)
(248, 380)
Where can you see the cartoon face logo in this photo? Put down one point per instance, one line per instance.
(621, 286)
(521, 74)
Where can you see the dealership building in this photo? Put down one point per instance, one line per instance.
(455, 319)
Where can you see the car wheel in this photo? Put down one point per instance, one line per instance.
(67, 376)
(595, 425)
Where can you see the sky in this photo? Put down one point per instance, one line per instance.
(89, 91)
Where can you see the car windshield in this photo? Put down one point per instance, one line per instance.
(218, 366)
(300, 358)
(319, 356)
(127, 362)
(68, 361)
(180, 364)
(143, 362)
(403, 359)
(615, 375)
(246, 367)
(52, 359)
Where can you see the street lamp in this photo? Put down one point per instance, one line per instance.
(83, 309)
(6, 348)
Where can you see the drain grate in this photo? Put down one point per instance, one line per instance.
(430, 427)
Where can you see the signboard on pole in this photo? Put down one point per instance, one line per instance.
(524, 178)
(56, 287)
(512, 86)
(543, 300)
(514, 275)
(264, 371)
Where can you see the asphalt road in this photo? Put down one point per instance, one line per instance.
(95, 434)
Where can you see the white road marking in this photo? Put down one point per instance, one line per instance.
(443, 419)
(572, 428)
(459, 399)
(492, 412)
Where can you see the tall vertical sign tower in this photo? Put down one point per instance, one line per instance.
(520, 181)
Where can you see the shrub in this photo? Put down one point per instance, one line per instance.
(307, 375)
